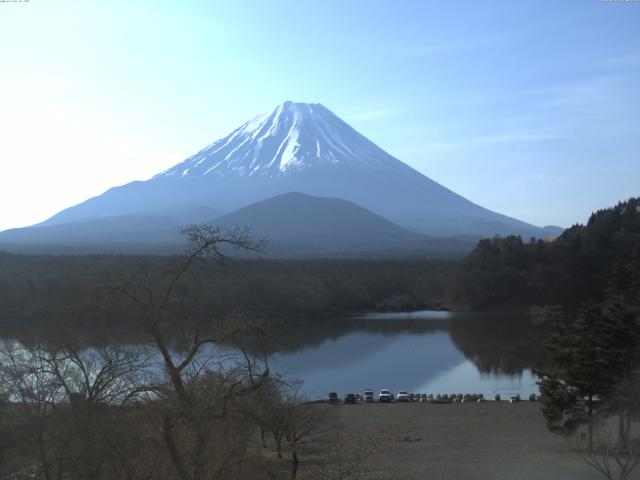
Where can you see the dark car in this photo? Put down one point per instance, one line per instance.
(350, 398)
(368, 396)
(333, 397)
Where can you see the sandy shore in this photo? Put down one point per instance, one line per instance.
(479, 441)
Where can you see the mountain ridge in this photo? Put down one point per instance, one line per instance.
(294, 225)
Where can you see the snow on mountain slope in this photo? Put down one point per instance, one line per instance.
(293, 137)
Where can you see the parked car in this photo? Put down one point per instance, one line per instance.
(368, 396)
(385, 396)
(402, 396)
(350, 398)
(472, 397)
(333, 397)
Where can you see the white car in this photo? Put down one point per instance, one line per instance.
(402, 396)
(385, 396)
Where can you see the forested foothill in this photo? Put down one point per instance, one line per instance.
(498, 273)
(568, 270)
(35, 290)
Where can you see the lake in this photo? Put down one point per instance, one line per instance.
(421, 352)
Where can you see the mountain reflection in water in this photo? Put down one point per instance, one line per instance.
(422, 352)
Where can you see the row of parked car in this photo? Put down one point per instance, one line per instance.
(386, 396)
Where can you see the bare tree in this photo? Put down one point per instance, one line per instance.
(62, 397)
(613, 459)
(32, 393)
(203, 381)
(308, 437)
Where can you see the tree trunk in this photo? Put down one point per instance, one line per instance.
(294, 464)
(198, 453)
(590, 421)
(264, 442)
(42, 450)
(622, 440)
(278, 441)
(173, 449)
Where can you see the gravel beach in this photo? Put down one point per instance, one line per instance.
(490, 440)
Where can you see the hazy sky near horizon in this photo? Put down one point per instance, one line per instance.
(529, 108)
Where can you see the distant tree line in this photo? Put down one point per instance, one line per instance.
(38, 289)
(568, 270)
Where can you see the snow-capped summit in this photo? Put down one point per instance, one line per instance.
(292, 137)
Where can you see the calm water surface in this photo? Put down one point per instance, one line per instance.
(422, 352)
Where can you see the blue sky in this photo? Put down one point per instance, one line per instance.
(528, 108)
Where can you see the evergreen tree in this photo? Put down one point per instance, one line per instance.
(572, 389)
(621, 321)
(596, 362)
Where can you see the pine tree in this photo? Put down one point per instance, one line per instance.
(596, 361)
(621, 322)
(572, 389)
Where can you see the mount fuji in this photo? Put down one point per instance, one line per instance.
(297, 147)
